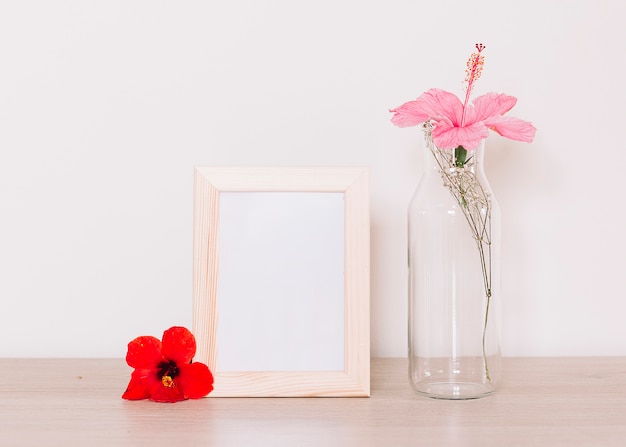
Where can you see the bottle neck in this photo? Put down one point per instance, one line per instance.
(459, 171)
(451, 160)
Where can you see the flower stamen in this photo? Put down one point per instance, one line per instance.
(167, 381)
(168, 371)
(474, 69)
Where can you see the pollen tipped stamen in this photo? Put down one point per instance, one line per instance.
(167, 372)
(474, 70)
(167, 381)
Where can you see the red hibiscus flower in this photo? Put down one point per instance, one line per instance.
(164, 371)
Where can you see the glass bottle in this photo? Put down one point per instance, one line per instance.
(454, 277)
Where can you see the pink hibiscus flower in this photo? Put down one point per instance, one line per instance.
(464, 124)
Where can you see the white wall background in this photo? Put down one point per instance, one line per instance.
(106, 106)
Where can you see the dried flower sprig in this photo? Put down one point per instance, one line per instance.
(475, 203)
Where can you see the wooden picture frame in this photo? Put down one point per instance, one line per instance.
(352, 377)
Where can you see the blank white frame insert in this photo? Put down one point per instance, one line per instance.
(293, 307)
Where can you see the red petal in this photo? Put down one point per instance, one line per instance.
(162, 393)
(144, 352)
(179, 345)
(139, 385)
(195, 380)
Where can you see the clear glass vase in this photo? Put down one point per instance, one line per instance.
(454, 277)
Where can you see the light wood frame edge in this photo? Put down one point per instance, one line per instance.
(209, 182)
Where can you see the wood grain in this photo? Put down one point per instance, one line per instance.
(542, 402)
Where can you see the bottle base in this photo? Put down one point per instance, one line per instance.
(454, 390)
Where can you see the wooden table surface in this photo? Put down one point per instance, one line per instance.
(542, 402)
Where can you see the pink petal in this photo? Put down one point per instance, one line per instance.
(487, 106)
(447, 137)
(513, 128)
(410, 113)
(444, 105)
(434, 104)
